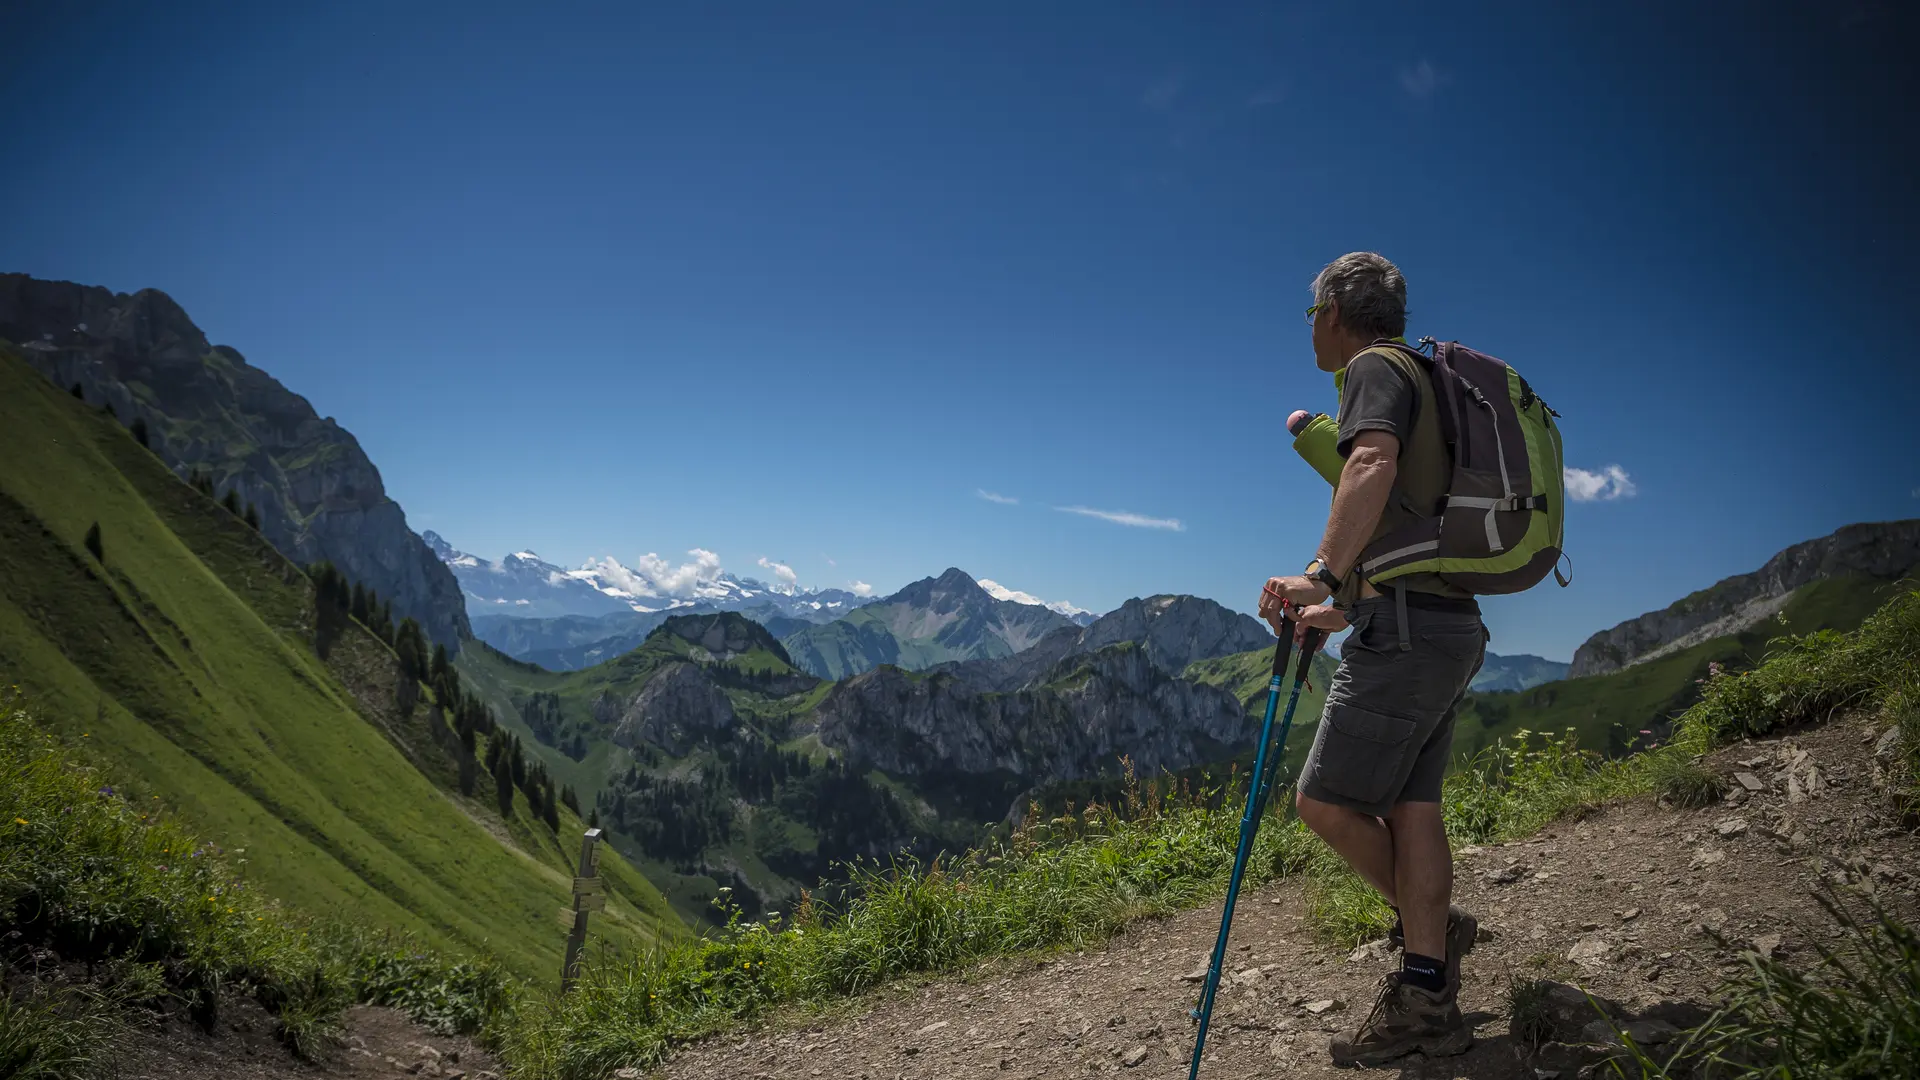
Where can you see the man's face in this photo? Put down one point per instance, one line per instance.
(1328, 353)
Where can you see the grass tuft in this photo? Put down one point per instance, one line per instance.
(58, 1035)
(1684, 782)
(1855, 1013)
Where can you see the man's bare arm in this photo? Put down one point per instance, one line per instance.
(1366, 483)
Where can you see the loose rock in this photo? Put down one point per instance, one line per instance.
(1591, 951)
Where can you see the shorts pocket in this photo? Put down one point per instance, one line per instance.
(1462, 643)
(1362, 754)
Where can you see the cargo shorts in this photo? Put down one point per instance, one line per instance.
(1385, 736)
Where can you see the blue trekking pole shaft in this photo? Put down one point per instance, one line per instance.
(1259, 782)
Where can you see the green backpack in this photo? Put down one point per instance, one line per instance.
(1499, 528)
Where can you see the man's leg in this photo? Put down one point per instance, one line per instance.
(1423, 876)
(1361, 839)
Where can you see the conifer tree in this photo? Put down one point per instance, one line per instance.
(139, 430)
(232, 501)
(253, 518)
(549, 812)
(593, 818)
(503, 789)
(569, 800)
(76, 391)
(359, 604)
(409, 652)
(441, 670)
(93, 542)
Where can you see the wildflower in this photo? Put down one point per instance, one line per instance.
(19, 821)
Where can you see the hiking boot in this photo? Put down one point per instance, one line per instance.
(1405, 1019)
(1462, 930)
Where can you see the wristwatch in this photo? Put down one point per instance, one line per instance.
(1318, 571)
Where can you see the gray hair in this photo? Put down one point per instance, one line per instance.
(1370, 291)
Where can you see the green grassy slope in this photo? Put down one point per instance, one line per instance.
(1609, 711)
(183, 663)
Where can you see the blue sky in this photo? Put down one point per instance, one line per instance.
(799, 282)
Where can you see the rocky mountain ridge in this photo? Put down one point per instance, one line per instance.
(205, 408)
(1522, 672)
(1172, 630)
(1885, 550)
(1077, 720)
(933, 620)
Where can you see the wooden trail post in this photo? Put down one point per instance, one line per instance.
(588, 895)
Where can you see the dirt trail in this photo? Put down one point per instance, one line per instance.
(1614, 902)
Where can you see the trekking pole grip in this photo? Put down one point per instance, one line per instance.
(1281, 647)
(1315, 638)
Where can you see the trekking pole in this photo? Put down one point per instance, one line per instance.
(1260, 782)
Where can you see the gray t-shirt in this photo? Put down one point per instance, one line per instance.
(1375, 396)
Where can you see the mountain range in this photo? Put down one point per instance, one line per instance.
(523, 585)
(721, 761)
(1516, 672)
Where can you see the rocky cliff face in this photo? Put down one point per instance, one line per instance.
(206, 408)
(1090, 710)
(677, 710)
(1876, 549)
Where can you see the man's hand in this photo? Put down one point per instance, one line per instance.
(1301, 591)
(1318, 617)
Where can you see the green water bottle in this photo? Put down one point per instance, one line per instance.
(1316, 439)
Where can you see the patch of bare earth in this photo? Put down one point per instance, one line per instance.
(1614, 901)
(373, 1042)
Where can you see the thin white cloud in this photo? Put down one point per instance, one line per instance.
(1267, 97)
(1605, 485)
(829, 559)
(1125, 517)
(995, 497)
(1421, 80)
(781, 571)
(1001, 592)
(859, 588)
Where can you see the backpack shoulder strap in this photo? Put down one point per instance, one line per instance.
(1414, 363)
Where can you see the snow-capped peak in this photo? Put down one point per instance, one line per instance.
(1001, 592)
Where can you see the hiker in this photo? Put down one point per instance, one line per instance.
(1371, 784)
